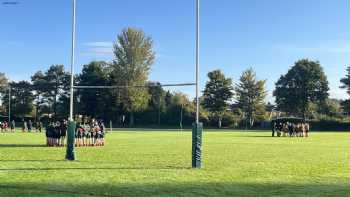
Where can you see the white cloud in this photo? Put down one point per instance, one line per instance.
(338, 93)
(98, 49)
(99, 44)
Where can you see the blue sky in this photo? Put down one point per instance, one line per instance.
(268, 35)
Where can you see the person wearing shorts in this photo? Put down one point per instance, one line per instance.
(13, 126)
(86, 136)
(63, 132)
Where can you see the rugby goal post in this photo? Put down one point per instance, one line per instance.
(197, 126)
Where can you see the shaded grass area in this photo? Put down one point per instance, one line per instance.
(158, 164)
(189, 189)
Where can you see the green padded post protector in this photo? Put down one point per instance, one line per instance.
(70, 141)
(197, 130)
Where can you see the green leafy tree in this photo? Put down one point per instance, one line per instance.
(157, 99)
(21, 98)
(39, 87)
(94, 103)
(134, 57)
(304, 84)
(270, 108)
(217, 94)
(251, 94)
(346, 85)
(181, 110)
(3, 81)
(3, 89)
(56, 83)
(331, 107)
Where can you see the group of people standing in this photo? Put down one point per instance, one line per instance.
(86, 134)
(291, 129)
(90, 134)
(28, 126)
(56, 133)
(4, 126)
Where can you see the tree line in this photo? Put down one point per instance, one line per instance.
(303, 92)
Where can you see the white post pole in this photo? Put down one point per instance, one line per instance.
(197, 60)
(70, 155)
(9, 112)
(71, 118)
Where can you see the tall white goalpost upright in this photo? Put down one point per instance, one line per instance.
(197, 60)
(72, 64)
(9, 110)
(70, 155)
(197, 126)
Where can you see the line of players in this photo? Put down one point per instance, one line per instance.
(91, 134)
(4, 126)
(56, 133)
(26, 126)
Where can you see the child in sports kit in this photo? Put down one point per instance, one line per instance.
(50, 131)
(39, 126)
(63, 132)
(57, 134)
(92, 133)
(13, 126)
(98, 136)
(86, 136)
(76, 135)
(102, 133)
(30, 125)
(79, 135)
(24, 127)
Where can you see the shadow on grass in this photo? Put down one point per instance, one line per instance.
(37, 160)
(254, 136)
(94, 169)
(22, 146)
(173, 189)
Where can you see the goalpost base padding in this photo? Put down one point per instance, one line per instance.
(197, 130)
(70, 155)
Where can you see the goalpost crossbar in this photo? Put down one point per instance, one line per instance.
(135, 86)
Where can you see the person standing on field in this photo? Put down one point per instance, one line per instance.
(30, 126)
(13, 126)
(40, 126)
(25, 126)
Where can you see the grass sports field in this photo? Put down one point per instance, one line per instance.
(154, 163)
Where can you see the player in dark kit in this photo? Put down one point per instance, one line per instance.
(13, 126)
(30, 126)
(63, 131)
(39, 126)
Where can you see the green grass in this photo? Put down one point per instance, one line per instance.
(158, 164)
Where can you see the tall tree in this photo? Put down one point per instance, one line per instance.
(3, 89)
(304, 84)
(3, 81)
(56, 80)
(217, 94)
(181, 110)
(157, 99)
(21, 98)
(39, 87)
(134, 57)
(251, 94)
(94, 102)
(346, 85)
